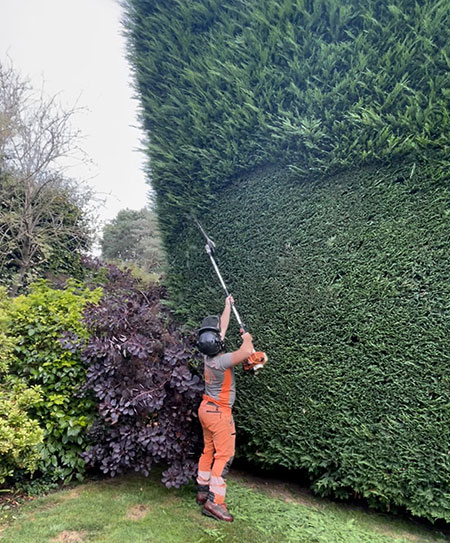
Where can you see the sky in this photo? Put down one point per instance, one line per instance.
(75, 48)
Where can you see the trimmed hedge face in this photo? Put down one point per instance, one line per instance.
(227, 85)
(344, 282)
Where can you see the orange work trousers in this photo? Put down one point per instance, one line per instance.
(219, 436)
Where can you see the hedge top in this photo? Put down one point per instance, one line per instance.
(317, 84)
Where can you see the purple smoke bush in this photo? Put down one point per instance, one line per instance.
(140, 370)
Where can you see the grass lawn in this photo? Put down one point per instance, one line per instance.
(135, 509)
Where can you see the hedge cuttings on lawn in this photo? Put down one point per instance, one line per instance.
(344, 282)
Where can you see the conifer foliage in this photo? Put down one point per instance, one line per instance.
(230, 84)
(139, 370)
(337, 244)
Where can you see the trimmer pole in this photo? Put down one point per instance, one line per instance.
(222, 282)
(257, 360)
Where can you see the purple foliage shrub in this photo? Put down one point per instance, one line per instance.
(140, 370)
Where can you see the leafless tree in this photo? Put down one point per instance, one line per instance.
(38, 203)
(12, 91)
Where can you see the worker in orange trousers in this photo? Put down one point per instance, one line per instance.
(215, 411)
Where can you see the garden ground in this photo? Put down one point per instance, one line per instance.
(136, 509)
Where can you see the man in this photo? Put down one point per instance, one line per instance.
(215, 413)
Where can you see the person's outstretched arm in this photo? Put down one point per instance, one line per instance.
(225, 318)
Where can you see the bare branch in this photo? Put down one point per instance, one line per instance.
(41, 211)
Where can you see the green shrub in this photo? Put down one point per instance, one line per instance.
(344, 282)
(37, 321)
(6, 342)
(19, 434)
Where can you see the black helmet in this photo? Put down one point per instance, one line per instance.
(209, 341)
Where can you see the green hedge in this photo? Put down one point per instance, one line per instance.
(344, 282)
(227, 85)
(344, 278)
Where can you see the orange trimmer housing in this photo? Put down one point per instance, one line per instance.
(255, 361)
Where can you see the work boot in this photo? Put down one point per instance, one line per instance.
(218, 511)
(202, 494)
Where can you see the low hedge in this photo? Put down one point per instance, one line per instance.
(344, 282)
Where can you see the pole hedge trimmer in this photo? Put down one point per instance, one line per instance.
(257, 360)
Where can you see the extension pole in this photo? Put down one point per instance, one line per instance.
(257, 360)
(222, 282)
(210, 248)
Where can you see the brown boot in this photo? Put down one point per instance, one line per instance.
(202, 494)
(218, 511)
(202, 497)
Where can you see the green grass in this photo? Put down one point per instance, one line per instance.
(140, 510)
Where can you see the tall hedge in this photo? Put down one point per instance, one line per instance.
(312, 138)
(344, 282)
(227, 85)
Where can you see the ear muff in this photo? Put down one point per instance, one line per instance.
(210, 343)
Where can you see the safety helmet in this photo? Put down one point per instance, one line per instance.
(209, 341)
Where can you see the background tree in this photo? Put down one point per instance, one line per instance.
(12, 91)
(41, 232)
(133, 237)
(43, 214)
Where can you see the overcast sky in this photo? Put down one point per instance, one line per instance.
(75, 48)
